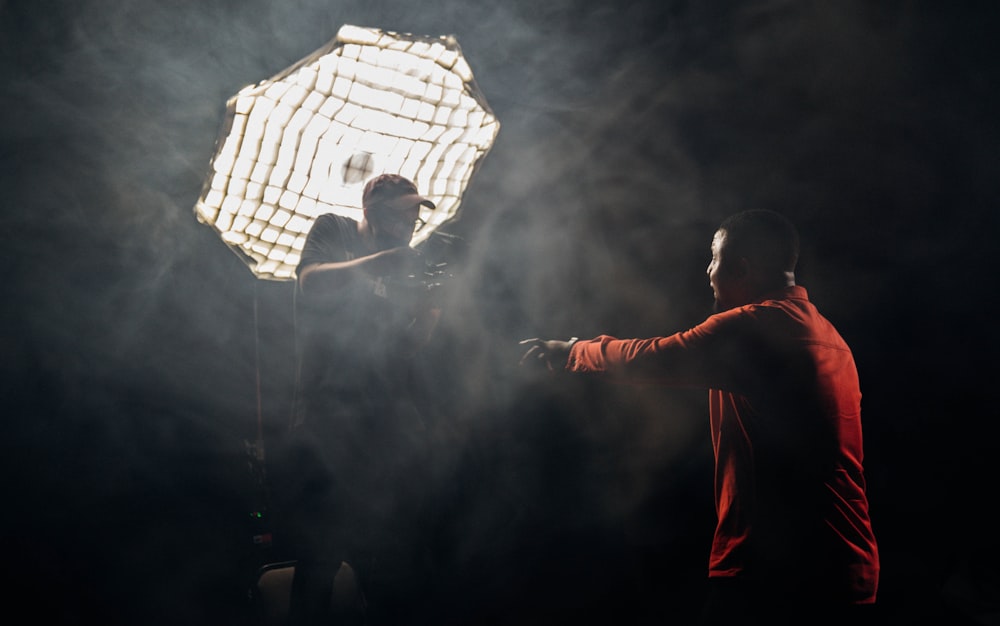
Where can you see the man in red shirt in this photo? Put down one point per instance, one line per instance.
(793, 541)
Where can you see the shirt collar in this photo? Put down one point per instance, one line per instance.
(795, 292)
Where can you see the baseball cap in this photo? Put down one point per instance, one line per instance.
(394, 191)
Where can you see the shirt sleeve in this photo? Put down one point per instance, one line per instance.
(324, 243)
(708, 355)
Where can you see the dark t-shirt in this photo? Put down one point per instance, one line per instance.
(350, 366)
(351, 471)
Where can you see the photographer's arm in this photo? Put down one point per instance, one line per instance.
(330, 276)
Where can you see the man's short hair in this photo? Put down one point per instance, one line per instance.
(764, 236)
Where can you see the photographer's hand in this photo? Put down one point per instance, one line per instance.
(401, 261)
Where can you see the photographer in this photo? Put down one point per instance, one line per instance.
(350, 481)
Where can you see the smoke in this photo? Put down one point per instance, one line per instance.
(135, 339)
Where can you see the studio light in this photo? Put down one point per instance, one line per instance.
(304, 142)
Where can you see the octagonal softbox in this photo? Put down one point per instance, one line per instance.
(304, 142)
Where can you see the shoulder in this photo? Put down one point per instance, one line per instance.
(331, 237)
(331, 222)
(331, 229)
(748, 317)
(788, 301)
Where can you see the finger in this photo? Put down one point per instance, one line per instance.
(527, 355)
(543, 357)
(534, 340)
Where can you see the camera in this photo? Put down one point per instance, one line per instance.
(441, 253)
(441, 257)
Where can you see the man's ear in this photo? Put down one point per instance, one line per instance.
(744, 268)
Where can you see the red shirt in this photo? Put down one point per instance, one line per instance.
(785, 412)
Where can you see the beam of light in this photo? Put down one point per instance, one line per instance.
(304, 142)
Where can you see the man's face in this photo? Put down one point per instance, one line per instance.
(393, 227)
(726, 275)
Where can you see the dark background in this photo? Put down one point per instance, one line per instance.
(139, 353)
